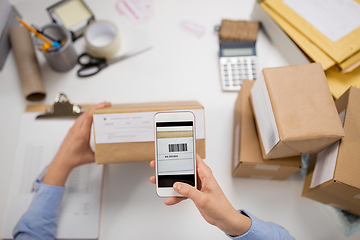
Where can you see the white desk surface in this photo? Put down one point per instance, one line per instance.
(179, 67)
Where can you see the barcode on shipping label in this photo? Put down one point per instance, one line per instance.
(181, 147)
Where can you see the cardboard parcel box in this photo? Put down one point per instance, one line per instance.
(294, 111)
(125, 133)
(334, 174)
(247, 158)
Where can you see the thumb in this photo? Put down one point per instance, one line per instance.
(187, 191)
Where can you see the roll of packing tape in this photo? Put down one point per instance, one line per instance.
(102, 39)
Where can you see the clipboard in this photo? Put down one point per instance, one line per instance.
(61, 108)
(38, 142)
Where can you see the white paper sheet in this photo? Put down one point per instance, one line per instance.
(134, 127)
(264, 114)
(326, 162)
(38, 142)
(333, 18)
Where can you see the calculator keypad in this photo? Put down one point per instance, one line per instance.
(234, 70)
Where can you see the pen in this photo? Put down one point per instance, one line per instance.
(47, 41)
(39, 178)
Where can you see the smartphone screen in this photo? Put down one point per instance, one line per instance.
(175, 153)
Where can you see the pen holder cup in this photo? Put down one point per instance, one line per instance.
(65, 58)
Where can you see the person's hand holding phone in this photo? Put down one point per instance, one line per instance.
(74, 150)
(210, 201)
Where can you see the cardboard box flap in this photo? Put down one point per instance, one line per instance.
(149, 107)
(337, 194)
(289, 92)
(279, 151)
(342, 102)
(313, 145)
(344, 192)
(348, 162)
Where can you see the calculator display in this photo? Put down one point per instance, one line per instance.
(231, 52)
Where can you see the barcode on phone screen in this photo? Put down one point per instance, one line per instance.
(181, 147)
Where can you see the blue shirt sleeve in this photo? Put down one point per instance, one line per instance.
(40, 220)
(260, 230)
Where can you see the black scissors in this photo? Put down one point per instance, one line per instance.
(91, 65)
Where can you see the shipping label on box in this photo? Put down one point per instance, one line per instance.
(326, 162)
(125, 133)
(264, 114)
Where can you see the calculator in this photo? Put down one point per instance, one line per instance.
(238, 62)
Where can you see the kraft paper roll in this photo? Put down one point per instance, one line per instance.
(102, 39)
(27, 64)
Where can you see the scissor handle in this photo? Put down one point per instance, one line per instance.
(90, 65)
(89, 70)
(86, 59)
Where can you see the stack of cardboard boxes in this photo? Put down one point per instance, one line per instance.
(333, 175)
(247, 157)
(288, 112)
(294, 114)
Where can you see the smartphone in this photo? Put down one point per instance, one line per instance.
(175, 151)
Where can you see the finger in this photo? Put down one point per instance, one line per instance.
(153, 179)
(99, 106)
(88, 115)
(187, 191)
(200, 162)
(203, 170)
(79, 121)
(152, 164)
(174, 200)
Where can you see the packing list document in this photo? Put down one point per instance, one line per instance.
(134, 127)
(38, 143)
(175, 149)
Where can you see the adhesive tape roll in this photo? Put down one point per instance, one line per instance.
(102, 39)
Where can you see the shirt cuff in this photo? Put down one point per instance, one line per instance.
(262, 230)
(46, 201)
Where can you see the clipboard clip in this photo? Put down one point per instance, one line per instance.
(62, 107)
